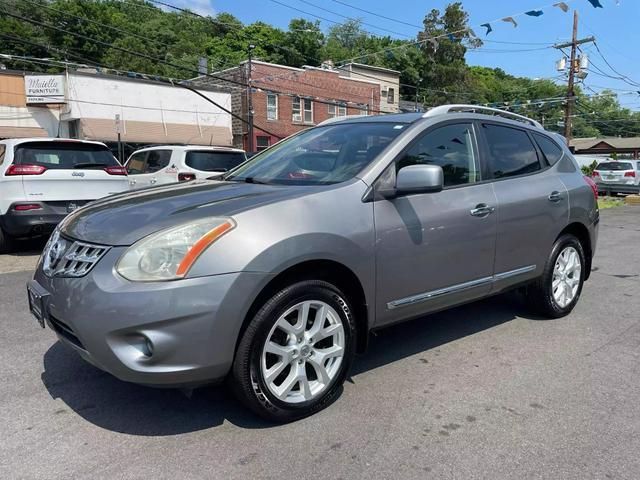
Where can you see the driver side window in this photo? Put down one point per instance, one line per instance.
(451, 147)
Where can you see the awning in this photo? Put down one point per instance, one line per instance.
(22, 132)
(151, 132)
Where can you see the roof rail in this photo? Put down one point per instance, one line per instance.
(443, 109)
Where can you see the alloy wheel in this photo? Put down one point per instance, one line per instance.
(303, 352)
(566, 276)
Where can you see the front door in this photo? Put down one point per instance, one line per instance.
(145, 168)
(436, 249)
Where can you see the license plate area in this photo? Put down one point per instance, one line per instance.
(37, 297)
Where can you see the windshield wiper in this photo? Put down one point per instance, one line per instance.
(90, 165)
(245, 180)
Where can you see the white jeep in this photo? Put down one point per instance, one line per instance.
(44, 179)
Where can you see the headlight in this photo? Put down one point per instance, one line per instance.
(170, 253)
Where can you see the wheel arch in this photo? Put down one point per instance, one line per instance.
(581, 232)
(330, 271)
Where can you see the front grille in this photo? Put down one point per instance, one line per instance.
(70, 258)
(65, 331)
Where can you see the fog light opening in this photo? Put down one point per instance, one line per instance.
(143, 345)
(148, 347)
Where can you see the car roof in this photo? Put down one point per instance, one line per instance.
(445, 112)
(18, 141)
(212, 148)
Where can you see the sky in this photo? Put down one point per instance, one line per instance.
(615, 26)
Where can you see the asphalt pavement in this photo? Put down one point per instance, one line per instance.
(488, 390)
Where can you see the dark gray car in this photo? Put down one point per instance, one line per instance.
(275, 276)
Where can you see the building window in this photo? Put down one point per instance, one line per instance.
(295, 109)
(390, 96)
(337, 110)
(302, 110)
(272, 106)
(262, 142)
(308, 111)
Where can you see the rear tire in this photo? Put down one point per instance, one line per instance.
(558, 290)
(285, 371)
(6, 242)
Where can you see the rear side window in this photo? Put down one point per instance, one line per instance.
(551, 151)
(451, 147)
(614, 166)
(2, 150)
(64, 155)
(511, 153)
(214, 161)
(157, 160)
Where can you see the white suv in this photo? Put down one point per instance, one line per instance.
(44, 179)
(178, 163)
(618, 176)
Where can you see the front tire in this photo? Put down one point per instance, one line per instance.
(296, 352)
(557, 291)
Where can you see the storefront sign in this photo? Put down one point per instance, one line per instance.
(44, 88)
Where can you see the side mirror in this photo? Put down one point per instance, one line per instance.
(419, 179)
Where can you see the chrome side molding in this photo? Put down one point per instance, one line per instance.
(421, 297)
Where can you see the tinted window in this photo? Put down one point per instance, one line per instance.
(214, 161)
(64, 155)
(157, 160)
(614, 166)
(552, 152)
(451, 147)
(511, 152)
(320, 156)
(2, 150)
(135, 165)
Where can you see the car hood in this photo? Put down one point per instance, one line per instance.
(125, 218)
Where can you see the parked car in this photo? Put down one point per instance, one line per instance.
(614, 177)
(44, 179)
(152, 166)
(275, 275)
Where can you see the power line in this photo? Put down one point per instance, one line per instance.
(376, 14)
(87, 20)
(353, 19)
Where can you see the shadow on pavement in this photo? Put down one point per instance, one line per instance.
(128, 408)
(28, 246)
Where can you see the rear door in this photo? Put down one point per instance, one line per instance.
(533, 204)
(208, 163)
(69, 171)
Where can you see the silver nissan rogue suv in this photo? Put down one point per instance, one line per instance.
(274, 275)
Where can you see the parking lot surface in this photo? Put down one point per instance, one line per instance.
(488, 390)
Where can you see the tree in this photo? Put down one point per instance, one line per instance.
(446, 38)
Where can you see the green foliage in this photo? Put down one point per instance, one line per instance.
(438, 68)
(588, 169)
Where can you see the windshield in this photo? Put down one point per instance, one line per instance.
(214, 161)
(64, 155)
(319, 156)
(615, 166)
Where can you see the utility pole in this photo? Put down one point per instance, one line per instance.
(574, 67)
(250, 102)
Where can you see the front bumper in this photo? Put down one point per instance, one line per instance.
(178, 333)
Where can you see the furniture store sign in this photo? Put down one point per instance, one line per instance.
(44, 88)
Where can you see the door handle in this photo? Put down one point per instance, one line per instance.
(555, 197)
(152, 181)
(482, 210)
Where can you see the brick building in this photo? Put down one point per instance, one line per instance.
(287, 99)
